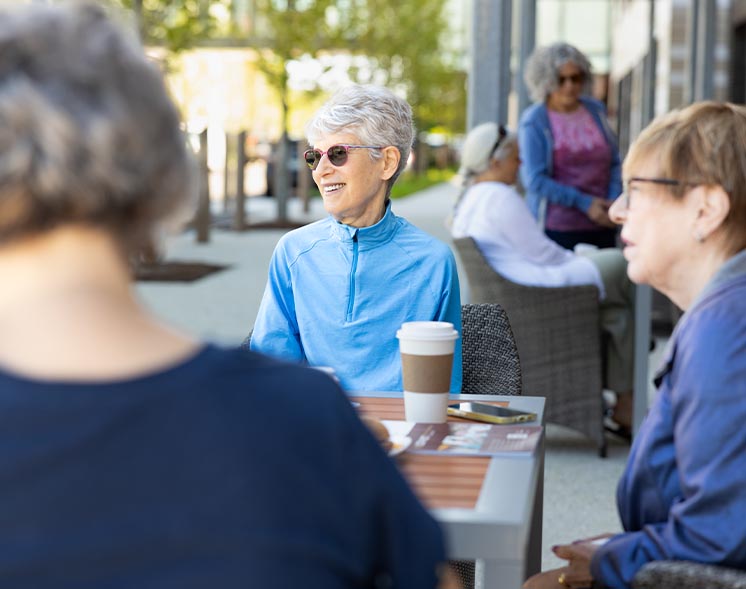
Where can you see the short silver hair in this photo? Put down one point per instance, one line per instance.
(479, 148)
(88, 134)
(542, 69)
(374, 114)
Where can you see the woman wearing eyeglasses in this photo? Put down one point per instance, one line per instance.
(496, 217)
(682, 496)
(338, 289)
(570, 162)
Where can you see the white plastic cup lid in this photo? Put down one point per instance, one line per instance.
(427, 330)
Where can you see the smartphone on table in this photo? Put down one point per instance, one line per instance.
(490, 413)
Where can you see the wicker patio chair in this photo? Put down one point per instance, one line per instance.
(558, 338)
(668, 574)
(490, 366)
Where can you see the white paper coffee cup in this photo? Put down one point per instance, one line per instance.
(427, 361)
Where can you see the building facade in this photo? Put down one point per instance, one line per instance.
(669, 53)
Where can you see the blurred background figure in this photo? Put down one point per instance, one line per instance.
(682, 496)
(491, 212)
(134, 456)
(571, 165)
(339, 289)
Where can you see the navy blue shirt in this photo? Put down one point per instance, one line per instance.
(229, 470)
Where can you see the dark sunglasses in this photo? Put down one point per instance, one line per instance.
(337, 154)
(574, 79)
(502, 133)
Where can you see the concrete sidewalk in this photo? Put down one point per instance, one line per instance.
(579, 486)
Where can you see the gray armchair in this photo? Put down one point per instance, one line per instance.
(668, 574)
(557, 333)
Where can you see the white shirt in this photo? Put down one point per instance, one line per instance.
(506, 233)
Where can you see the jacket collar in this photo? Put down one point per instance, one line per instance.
(730, 271)
(732, 268)
(367, 237)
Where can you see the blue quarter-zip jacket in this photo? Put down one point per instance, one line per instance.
(683, 493)
(336, 296)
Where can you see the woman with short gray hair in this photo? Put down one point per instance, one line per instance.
(132, 454)
(375, 114)
(111, 156)
(338, 289)
(571, 167)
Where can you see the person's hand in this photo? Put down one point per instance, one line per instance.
(547, 580)
(447, 578)
(598, 212)
(577, 573)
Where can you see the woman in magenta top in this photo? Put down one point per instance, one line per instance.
(570, 163)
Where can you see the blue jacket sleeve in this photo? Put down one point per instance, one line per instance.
(707, 522)
(535, 166)
(615, 178)
(276, 330)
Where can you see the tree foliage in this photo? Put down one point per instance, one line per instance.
(403, 43)
(289, 30)
(175, 24)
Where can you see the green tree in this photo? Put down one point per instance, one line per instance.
(291, 29)
(403, 43)
(406, 45)
(175, 24)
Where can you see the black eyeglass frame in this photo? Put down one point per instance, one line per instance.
(660, 181)
(341, 160)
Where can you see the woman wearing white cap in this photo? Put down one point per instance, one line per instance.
(494, 214)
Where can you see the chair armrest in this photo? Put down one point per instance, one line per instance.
(565, 305)
(552, 326)
(665, 574)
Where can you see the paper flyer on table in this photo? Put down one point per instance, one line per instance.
(467, 439)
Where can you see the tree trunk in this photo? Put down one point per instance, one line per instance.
(282, 171)
(202, 220)
(137, 15)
